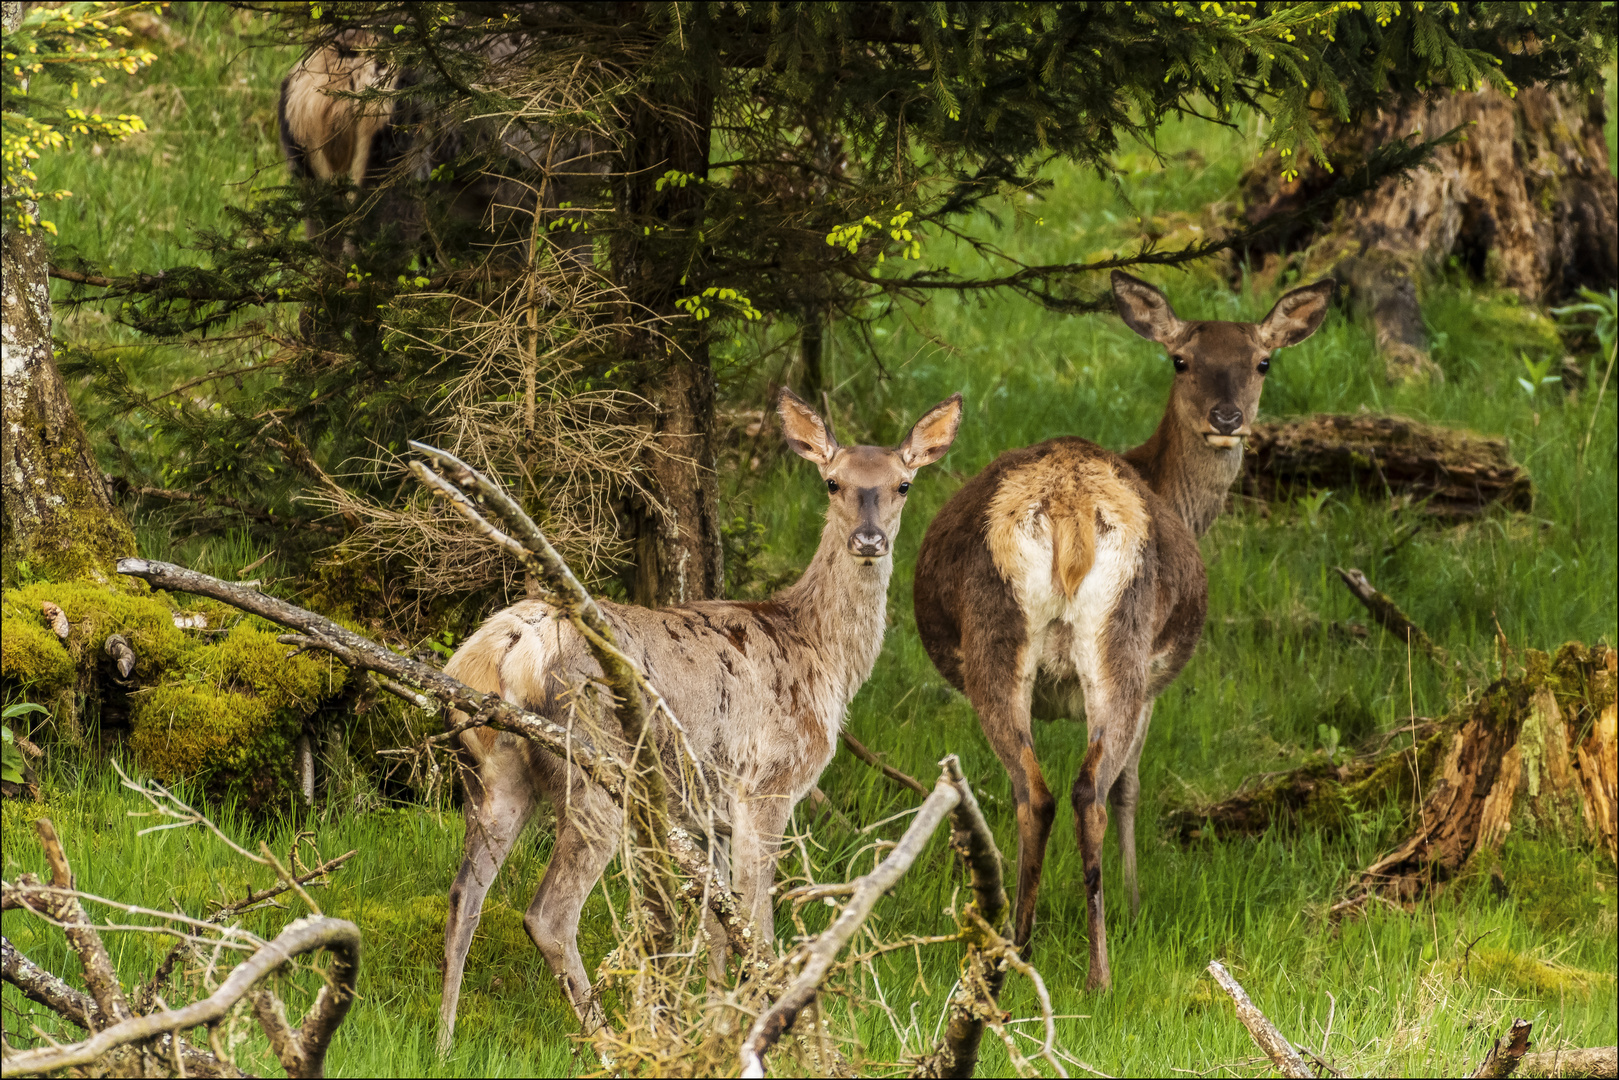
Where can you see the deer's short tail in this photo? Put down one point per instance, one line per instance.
(1044, 521)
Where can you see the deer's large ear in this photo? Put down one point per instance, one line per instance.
(1144, 309)
(806, 432)
(933, 434)
(1297, 315)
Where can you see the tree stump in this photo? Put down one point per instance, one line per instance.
(1526, 200)
(1535, 753)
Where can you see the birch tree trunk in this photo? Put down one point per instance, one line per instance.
(58, 514)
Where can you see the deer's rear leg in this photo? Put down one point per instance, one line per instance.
(999, 681)
(499, 802)
(1124, 797)
(1112, 733)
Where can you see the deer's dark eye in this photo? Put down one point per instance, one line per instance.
(1180, 364)
(832, 485)
(906, 486)
(1264, 365)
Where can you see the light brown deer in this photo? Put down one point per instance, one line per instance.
(760, 690)
(1065, 578)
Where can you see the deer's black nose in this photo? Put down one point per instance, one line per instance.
(1225, 418)
(868, 542)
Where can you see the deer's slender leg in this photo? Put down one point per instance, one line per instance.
(1124, 796)
(587, 834)
(1111, 717)
(758, 822)
(499, 802)
(998, 678)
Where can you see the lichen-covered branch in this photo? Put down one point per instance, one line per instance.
(1389, 616)
(819, 954)
(1264, 1033)
(340, 937)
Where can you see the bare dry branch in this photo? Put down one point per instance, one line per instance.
(818, 955)
(1264, 1033)
(357, 651)
(339, 936)
(904, 780)
(1389, 616)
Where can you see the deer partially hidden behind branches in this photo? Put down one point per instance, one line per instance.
(760, 690)
(1065, 578)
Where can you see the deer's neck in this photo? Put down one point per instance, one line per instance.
(841, 606)
(1186, 472)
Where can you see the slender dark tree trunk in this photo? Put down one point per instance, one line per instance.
(677, 543)
(811, 342)
(56, 511)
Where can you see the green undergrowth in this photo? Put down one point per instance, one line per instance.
(1531, 932)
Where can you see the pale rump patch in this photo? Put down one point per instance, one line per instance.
(335, 133)
(1059, 503)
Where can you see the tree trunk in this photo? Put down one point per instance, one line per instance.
(677, 540)
(58, 515)
(1525, 201)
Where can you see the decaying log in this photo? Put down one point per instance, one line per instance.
(1505, 1053)
(1450, 473)
(1596, 1061)
(1537, 745)
(1260, 1029)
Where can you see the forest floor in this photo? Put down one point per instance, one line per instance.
(1404, 993)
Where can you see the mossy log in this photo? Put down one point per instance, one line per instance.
(1535, 753)
(1449, 473)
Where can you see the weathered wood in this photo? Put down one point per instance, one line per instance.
(1389, 616)
(1449, 473)
(1505, 1054)
(1596, 1061)
(1275, 1045)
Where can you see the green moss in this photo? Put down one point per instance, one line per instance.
(233, 714)
(1504, 968)
(32, 657)
(99, 611)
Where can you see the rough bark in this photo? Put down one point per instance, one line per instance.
(1449, 473)
(677, 542)
(56, 510)
(1535, 752)
(1283, 1057)
(1525, 200)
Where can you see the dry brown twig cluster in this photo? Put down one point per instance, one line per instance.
(136, 1032)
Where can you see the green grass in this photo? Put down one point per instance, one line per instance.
(1410, 997)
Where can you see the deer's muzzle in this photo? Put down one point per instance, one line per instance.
(1225, 418)
(867, 542)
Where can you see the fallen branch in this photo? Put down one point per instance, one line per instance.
(1264, 1033)
(819, 953)
(904, 780)
(1389, 616)
(339, 936)
(1595, 1061)
(1505, 1053)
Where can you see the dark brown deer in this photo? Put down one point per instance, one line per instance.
(1065, 578)
(760, 690)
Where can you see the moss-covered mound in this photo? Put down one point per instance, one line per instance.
(221, 706)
